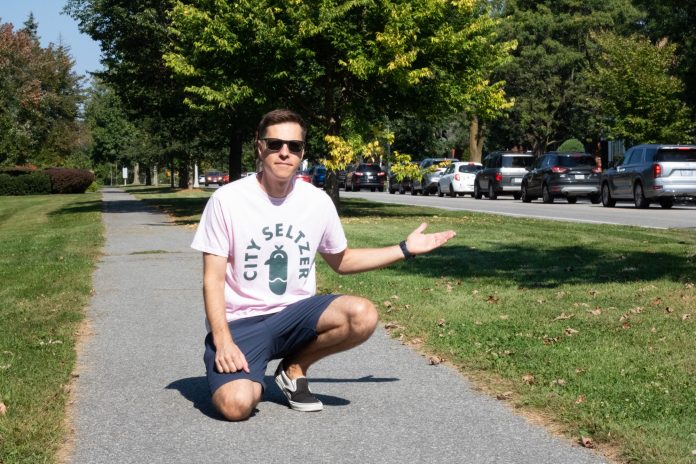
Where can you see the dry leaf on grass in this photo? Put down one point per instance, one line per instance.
(387, 304)
(3, 409)
(528, 379)
(504, 396)
(434, 360)
(492, 299)
(563, 316)
(441, 322)
(586, 442)
(580, 399)
(685, 316)
(570, 332)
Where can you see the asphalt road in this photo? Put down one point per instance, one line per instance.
(141, 395)
(679, 216)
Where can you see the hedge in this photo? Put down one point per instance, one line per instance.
(35, 183)
(20, 181)
(68, 180)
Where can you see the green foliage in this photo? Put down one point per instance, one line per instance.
(34, 183)
(637, 94)
(571, 146)
(545, 77)
(39, 98)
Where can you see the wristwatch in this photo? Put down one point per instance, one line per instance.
(404, 250)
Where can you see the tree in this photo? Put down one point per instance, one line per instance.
(39, 100)
(545, 77)
(346, 66)
(635, 92)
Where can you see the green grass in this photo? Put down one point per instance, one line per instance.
(48, 248)
(592, 327)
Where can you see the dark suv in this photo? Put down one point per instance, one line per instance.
(652, 173)
(569, 175)
(502, 174)
(365, 175)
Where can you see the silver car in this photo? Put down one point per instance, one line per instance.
(428, 183)
(651, 173)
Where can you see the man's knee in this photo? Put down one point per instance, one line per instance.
(363, 316)
(235, 404)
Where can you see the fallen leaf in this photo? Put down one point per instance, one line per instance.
(449, 288)
(504, 317)
(656, 302)
(408, 306)
(562, 316)
(685, 316)
(581, 399)
(478, 323)
(3, 409)
(528, 379)
(441, 322)
(434, 360)
(579, 370)
(596, 311)
(689, 285)
(392, 325)
(550, 340)
(561, 294)
(387, 304)
(593, 292)
(541, 301)
(669, 310)
(637, 310)
(559, 382)
(570, 332)
(395, 297)
(491, 299)
(586, 442)
(626, 325)
(504, 396)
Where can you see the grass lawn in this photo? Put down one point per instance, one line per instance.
(590, 327)
(48, 248)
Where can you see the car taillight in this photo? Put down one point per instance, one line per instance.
(657, 170)
(358, 174)
(559, 170)
(456, 176)
(380, 174)
(498, 177)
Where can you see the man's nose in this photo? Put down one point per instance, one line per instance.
(284, 150)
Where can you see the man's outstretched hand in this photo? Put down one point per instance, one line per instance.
(418, 243)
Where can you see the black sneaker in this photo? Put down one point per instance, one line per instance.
(297, 392)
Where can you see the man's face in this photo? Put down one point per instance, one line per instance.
(281, 163)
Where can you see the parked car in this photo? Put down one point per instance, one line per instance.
(303, 175)
(318, 175)
(428, 183)
(650, 173)
(201, 178)
(342, 174)
(402, 186)
(365, 175)
(458, 179)
(215, 177)
(569, 175)
(502, 174)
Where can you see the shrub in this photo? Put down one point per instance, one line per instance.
(93, 187)
(572, 145)
(67, 180)
(35, 183)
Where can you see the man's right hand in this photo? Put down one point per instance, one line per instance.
(229, 358)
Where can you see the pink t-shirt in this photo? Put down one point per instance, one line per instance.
(270, 243)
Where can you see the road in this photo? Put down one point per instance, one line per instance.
(680, 216)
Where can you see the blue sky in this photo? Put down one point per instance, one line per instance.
(54, 27)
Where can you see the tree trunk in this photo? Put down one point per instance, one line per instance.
(476, 139)
(235, 156)
(136, 174)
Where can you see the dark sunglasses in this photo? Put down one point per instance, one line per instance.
(294, 146)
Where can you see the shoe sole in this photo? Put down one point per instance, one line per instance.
(302, 407)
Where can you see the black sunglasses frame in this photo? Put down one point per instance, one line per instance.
(294, 146)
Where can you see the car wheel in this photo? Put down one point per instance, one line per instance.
(595, 199)
(348, 187)
(401, 191)
(380, 189)
(206, 184)
(572, 200)
(516, 196)
(451, 192)
(477, 191)
(491, 192)
(439, 191)
(607, 200)
(525, 194)
(639, 197)
(546, 194)
(666, 203)
(372, 189)
(414, 191)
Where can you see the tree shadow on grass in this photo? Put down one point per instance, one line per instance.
(83, 206)
(531, 267)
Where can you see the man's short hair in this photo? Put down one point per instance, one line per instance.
(278, 117)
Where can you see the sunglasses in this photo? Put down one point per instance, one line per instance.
(294, 146)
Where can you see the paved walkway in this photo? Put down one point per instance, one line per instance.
(142, 397)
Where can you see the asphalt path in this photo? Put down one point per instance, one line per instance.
(681, 215)
(141, 394)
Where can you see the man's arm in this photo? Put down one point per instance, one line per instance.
(228, 357)
(352, 260)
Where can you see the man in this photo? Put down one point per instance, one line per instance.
(259, 237)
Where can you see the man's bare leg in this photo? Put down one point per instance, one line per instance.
(347, 322)
(236, 400)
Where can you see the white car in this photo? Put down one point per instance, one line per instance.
(458, 179)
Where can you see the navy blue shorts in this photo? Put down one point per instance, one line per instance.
(263, 338)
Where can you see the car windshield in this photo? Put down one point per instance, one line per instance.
(469, 168)
(574, 161)
(213, 173)
(517, 161)
(676, 154)
(368, 168)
